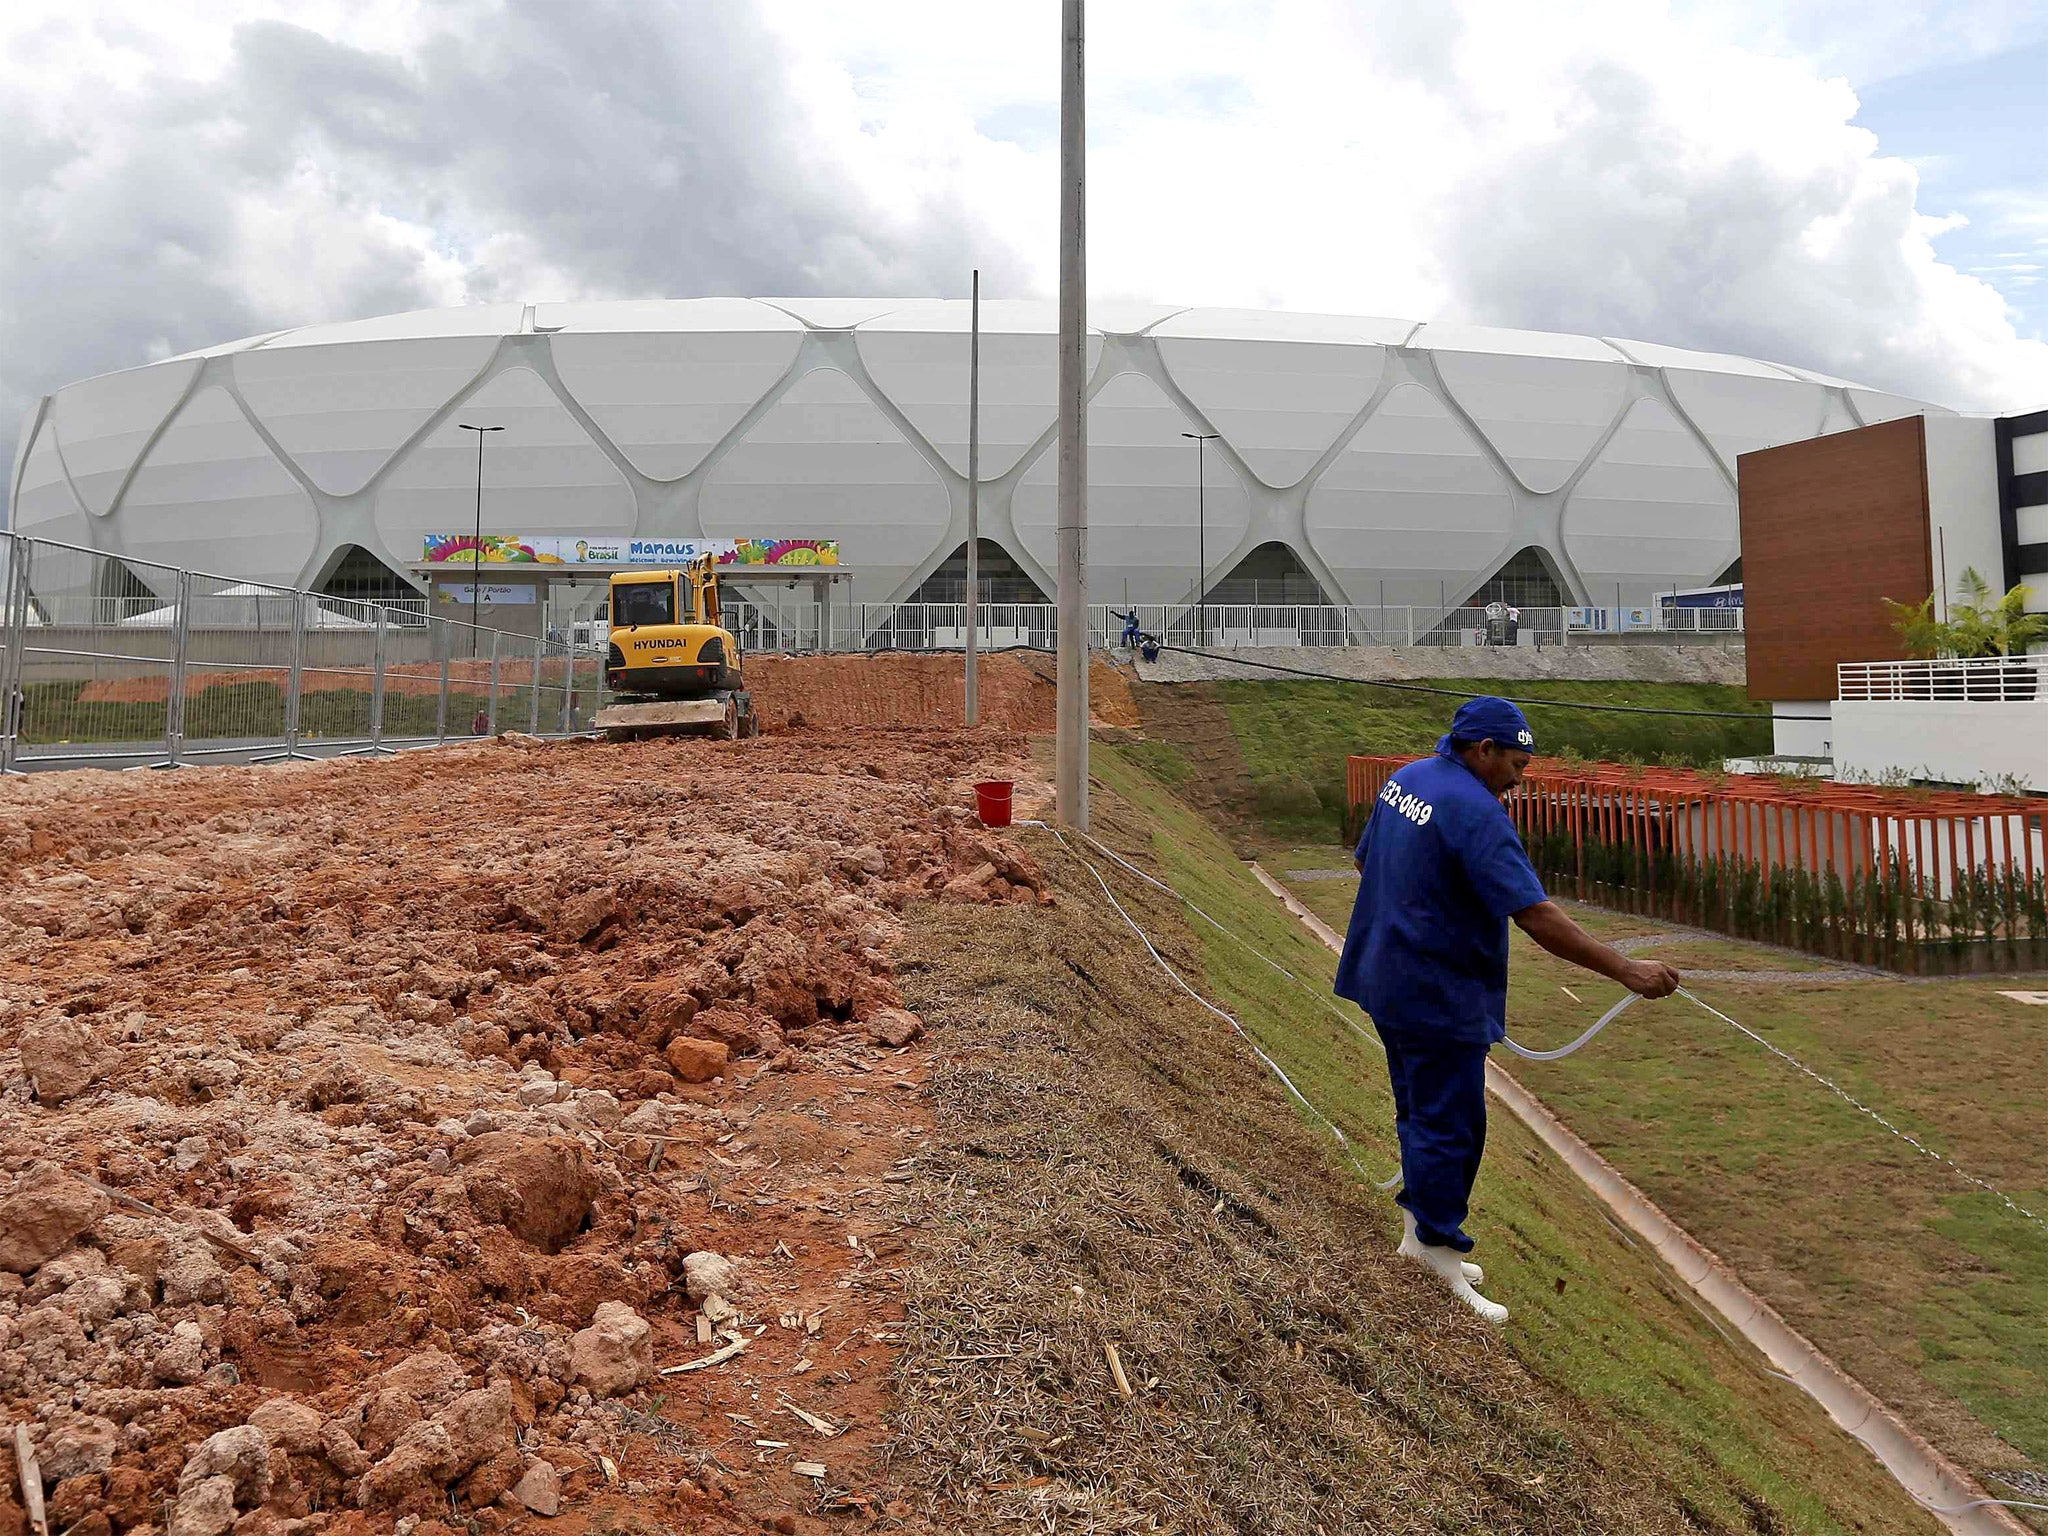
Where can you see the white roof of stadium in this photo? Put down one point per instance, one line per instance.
(1000, 317)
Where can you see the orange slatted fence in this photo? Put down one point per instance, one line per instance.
(1918, 880)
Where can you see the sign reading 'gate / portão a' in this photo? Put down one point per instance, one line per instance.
(586, 549)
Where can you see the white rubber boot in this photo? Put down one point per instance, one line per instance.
(1448, 1269)
(1411, 1248)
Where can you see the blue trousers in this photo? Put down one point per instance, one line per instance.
(1440, 1117)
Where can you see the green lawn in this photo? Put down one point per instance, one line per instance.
(1294, 734)
(1931, 1292)
(1594, 1315)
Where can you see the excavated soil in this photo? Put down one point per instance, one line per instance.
(1016, 691)
(374, 1134)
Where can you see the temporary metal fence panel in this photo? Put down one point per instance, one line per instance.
(240, 640)
(89, 686)
(413, 700)
(337, 680)
(1918, 880)
(12, 595)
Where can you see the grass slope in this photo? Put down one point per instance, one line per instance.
(1293, 734)
(1929, 1291)
(1120, 1170)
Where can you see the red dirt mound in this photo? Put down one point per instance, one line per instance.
(1016, 691)
(449, 1099)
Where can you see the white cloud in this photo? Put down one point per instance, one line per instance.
(1690, 176)
(179, 175)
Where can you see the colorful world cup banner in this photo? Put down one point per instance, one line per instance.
(569, 549)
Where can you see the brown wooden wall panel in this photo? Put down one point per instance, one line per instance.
(1829, 527)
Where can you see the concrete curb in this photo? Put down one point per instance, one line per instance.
(1924, 1472)
(1637, 664)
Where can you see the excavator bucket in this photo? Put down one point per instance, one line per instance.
(726, 715)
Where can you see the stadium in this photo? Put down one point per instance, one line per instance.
(1349, 460)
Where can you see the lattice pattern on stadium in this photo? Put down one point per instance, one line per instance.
(1390, 460)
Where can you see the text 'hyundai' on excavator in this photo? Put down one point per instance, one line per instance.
(673, 667)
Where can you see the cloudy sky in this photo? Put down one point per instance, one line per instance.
(1850, 185)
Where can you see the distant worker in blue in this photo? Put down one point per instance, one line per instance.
(1129, 638)
(1441, 870)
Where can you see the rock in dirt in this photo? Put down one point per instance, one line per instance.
(697, 1061)
(893, 1026)
(739, 1030)
(480, 1424)
(581, 916)
(615, 1353)
(240, 1457)
(534, 907)
(42, 1213)
(708, 1274)
(424, 1458)
(289, 1423)
(82, 1447)
(539, 1190)
(340, 1448)
(182, 1359)
(540, 1489)
(189, 1271)
(61, 1057)
(207, 1508)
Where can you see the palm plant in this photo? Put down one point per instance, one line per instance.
(1981, 624)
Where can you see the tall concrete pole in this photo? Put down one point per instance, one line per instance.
(1072, 705)
(974, 504)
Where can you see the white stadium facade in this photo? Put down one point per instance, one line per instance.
(1354, 460)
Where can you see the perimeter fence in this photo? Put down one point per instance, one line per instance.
(1923, 881)
(810, 626)
(119, 662)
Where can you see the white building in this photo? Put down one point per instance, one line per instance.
(1356, 460)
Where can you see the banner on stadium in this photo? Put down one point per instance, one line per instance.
(586, 549)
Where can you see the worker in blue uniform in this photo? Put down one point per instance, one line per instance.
(1441, 870)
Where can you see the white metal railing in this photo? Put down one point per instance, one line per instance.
(810, 625)
(1978, 679)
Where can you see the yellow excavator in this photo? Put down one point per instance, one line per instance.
(673, 667)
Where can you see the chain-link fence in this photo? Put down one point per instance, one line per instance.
(119, 662)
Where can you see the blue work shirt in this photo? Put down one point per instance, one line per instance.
(1443, 868)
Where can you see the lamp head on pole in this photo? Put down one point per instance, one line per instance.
(468, 428)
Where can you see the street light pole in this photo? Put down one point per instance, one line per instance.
(974, 503)
(476, 547)
(1202, 441)
(1071, 694)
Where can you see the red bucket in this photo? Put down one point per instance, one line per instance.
(992, 802)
